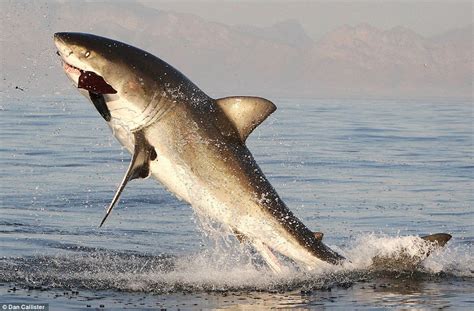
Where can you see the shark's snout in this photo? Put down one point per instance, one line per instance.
(63, 37)
(74, 49)
(63, 48)
(57, 36)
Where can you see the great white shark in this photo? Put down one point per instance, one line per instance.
(194, 145)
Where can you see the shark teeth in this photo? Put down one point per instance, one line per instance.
(71, 69)
(89, 80)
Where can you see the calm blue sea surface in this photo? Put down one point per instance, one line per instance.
(370, 174)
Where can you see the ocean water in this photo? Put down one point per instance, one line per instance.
(371, 174)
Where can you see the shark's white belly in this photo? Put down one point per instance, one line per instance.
(235, 213)
(235, 209)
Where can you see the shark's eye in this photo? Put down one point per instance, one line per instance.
(87, 53)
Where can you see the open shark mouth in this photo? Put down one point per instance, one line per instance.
(96, 85)
(90, 81)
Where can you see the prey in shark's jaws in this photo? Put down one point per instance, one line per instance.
(193, 144)
(93, 83)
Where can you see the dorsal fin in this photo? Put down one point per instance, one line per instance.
(139, 167)
(245, 112)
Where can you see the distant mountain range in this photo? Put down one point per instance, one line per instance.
(281, 60)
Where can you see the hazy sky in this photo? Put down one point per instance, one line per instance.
(386, 64)
(318, 17)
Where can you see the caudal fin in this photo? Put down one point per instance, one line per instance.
(440, 239)
(407, 260)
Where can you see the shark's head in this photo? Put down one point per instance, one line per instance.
(83, 53)
(121, 80)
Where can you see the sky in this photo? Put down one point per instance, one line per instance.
(222, 58)
(427, 18)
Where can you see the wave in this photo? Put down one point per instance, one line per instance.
(225, 267)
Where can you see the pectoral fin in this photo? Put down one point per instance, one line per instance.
(139, 167)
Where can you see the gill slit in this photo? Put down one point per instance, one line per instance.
(153, 112)
(147, 116)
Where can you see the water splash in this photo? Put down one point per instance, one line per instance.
(224, 267)
(402, 251)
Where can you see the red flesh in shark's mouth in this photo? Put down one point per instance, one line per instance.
(90, 81)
